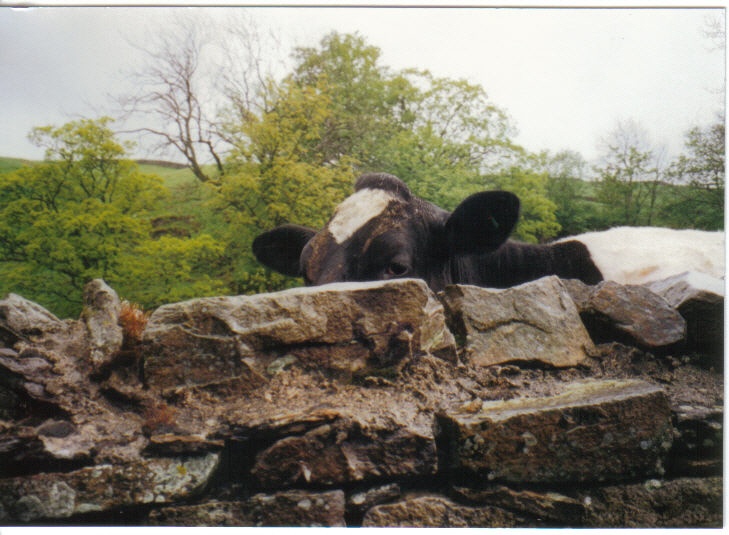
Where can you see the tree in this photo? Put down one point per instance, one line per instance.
(67, 220)
(360, 93)
(83, 214)
(194, 73)
(629, 177)
(455, 137)
(567, 188)
(700, 170)
(271, 178)
(437, 134)
(171, 269)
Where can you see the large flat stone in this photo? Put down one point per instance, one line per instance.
(345, 329)
(593, 431)
(435, 511)
(102, 488)
(536, 321)
(294, 508)
(345, 452)
(633, 314)
(700, 300)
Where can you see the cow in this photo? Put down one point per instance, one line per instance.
(384, 232)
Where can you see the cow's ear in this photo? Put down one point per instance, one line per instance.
(482, 222)
(280, 248)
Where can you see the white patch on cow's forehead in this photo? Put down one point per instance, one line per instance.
(356, 211)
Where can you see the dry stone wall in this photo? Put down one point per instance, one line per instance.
(373, 404)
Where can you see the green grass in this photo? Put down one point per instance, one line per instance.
(172, 177)
(8, 165)
(187, 206)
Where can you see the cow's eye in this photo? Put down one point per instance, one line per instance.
(397, 269)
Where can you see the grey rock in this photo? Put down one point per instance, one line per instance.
(689, 286)
(593, 431)
(294, 508)
(700, 300)
(634, 314)
(101, 316)
(436, 511)
(26, 319)
(537, 321)
(101, 488)
(345, 329)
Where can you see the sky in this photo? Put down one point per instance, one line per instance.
(564, 76)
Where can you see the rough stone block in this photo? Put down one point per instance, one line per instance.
(345, 452)
(21, 319)
(537, 321)
(679, 503)
(102, 488)
(593, 431)
(438, 512)
(551, 507)
(347, 328)
(101, 316)
(634, 314)
(294, 508)
(361, 501)
(700, 300)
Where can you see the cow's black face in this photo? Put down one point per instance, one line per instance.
(371, 236)
(383, 232)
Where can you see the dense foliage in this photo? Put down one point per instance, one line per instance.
(85, 213)
(294, 147)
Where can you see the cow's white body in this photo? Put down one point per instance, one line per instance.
(636, 255)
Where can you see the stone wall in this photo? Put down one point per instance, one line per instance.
(373, 404)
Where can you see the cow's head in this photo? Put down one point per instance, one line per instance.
(383, 231)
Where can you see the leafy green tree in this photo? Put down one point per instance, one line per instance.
(171, 269)
(455, 137)
(700, 202)
(271, 179)
(437, 134)
(568, 189)
(629, 179)
(81, 214)
(363, 97)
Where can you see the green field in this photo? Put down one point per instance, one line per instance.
(8, 165)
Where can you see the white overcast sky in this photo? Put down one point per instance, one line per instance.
(565, 76)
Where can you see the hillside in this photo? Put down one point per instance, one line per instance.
(8, 165)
